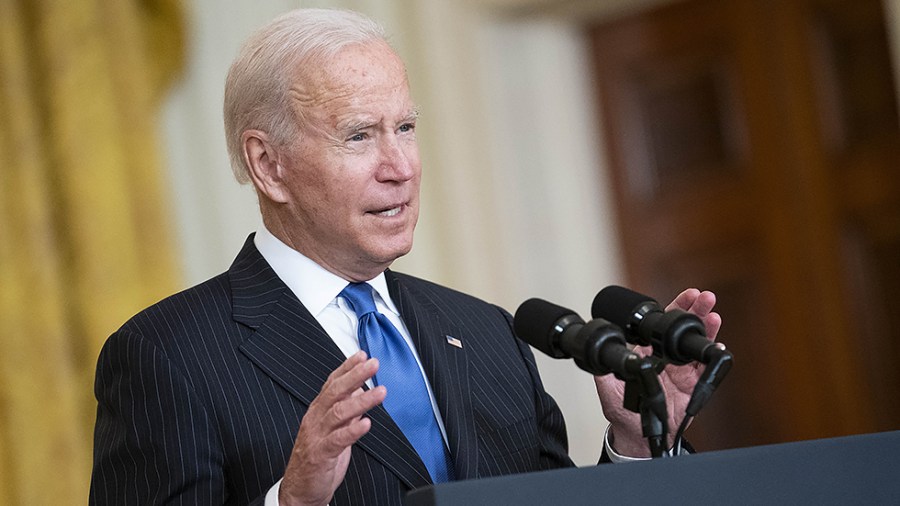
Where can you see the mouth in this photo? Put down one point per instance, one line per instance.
(389, 212)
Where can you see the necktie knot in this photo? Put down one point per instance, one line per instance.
(360, 298)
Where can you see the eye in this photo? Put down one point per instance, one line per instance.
(407, 127)
(358, 137)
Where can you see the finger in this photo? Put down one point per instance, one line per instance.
(643, 351)
(340, 439)
(350, 380)
(347, 411)
(351, 362)
(712, 322)
(342, 382)
(703, 304)
(323, 420)
(348, 423)
(695, 301)
(684, 300)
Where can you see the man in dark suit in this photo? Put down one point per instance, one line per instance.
(256, 385)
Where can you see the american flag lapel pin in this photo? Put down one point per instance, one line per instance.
(454, 342)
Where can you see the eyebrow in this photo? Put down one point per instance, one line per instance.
(356, 124)
(413, 114)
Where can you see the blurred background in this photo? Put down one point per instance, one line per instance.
(744, 146)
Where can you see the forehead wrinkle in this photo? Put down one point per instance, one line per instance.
(301, 96)
(309, 103)
(329, 102)
(317, 96)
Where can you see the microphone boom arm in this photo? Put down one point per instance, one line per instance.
(644, 395)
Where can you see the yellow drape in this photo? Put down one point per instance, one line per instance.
(84, 228)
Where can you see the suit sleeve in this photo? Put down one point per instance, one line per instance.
(154, 440)
(551, 425)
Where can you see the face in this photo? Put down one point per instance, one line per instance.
(351, 177)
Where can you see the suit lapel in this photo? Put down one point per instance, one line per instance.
(287, 342)
(290, 346)
(446, 366)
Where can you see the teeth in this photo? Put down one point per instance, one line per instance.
(390, 212)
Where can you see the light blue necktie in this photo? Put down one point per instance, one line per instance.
(407, 398)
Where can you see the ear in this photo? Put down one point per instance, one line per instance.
(264, 165)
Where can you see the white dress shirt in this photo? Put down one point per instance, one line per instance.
(318, 290)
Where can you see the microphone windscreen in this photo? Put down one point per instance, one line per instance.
(535, 320)
(617, 304)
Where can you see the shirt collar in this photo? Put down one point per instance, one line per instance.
(315, 286)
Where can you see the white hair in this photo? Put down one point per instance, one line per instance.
(256, 89)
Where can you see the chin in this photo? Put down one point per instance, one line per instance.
(393, 251)
(397, 253)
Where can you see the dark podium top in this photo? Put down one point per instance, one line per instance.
(847, 470)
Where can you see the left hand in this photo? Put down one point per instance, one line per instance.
(677, 382)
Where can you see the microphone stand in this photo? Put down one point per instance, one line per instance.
(719, 362)
(644, 395)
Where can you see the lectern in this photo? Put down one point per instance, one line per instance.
(849, 470)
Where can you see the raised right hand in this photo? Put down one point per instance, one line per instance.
(333, 422)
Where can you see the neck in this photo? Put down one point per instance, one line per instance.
(347, 270)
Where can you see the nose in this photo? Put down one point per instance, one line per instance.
(398, 159)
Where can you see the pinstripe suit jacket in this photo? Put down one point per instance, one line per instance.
(200, 396)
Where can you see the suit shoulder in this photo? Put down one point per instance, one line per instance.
(443, 294)
(176, 312)
(423, 285)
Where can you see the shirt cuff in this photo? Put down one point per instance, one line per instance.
(272, 494)
(614, 457)
(617, 458)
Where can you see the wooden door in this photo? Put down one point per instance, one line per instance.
(754, 150)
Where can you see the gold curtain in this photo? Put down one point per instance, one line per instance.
(84, 229)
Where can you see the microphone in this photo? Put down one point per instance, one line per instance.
(677, 335)
(598, 347)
